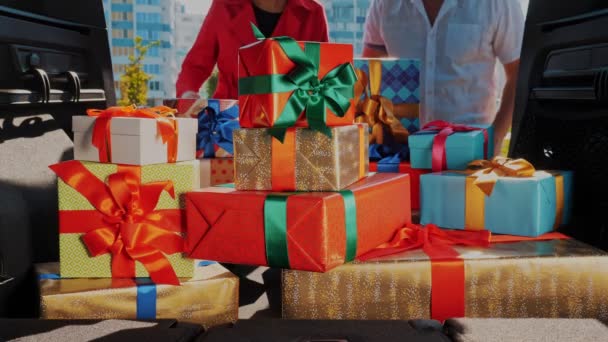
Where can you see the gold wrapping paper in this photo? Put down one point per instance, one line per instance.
(210, 298)
(322, 163)
(559, 278)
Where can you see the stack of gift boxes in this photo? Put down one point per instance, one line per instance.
(217, 119)
(122, 229)
(302, 198)
(496, 254)
(309, 122)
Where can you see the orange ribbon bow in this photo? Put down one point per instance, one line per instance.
(487, 172)
(126, 223)
(165, 123)
(378, 111)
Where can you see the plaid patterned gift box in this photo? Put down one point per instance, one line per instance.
(399, 83)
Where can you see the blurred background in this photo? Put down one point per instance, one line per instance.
(172, 25)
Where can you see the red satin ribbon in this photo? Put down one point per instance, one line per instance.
(125, 223)
(102, 135)
(447, 268)
(444, 129)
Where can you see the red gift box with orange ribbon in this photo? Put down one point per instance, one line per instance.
(134, 136)
(427, 272)
(124, 221)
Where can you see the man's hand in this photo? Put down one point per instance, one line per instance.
(504, 116)
(373, 51)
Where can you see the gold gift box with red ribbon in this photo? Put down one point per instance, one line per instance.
(445, 274)
(306, 160)
(124, 221)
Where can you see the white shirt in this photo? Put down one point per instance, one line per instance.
(458, 53)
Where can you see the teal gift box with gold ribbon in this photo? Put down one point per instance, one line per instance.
(311, 231)
(501, 195)
(284, 83)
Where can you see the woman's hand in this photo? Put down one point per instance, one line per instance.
(190, 95)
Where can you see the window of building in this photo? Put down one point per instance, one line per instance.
(154, 51)
(154, 85)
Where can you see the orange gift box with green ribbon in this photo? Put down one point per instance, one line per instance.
(124, 221)
(312, 231)
(284, 83)
(501, 195)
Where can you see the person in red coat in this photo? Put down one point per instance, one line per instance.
(227, 28)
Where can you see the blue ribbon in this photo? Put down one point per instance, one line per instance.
(48, 276)
(204, 263)
(393, 154)
(146, 299)
(215, 128)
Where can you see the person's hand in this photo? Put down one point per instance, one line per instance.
(190, 95)
(499, 135)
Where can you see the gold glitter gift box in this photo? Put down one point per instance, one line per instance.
(556, 278)
(306, 160)
(209, 298)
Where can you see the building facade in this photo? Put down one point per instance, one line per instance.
(153, 20)
(187, 26)
(346, 20)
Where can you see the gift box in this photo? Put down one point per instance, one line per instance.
(406, 168)
(388, 98)
(216, 121)
(505, 197)
(208, 298)
(445, 146)
(284, 83)
(306, 160)
(124, 221)
(552, 278)
(127, 135)
(216, 171)
(306, 231)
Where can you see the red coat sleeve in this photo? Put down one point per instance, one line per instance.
(202, 57)
(322, 32)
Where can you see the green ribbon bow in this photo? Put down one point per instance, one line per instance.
(275, 228)
(309, 93)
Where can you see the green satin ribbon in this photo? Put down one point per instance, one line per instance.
(350, 222)
(275, 228)
(308, 92)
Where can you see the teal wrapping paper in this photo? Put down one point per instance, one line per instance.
(517, 206)
(461, 148)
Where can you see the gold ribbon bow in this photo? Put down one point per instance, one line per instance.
(378, 111)
(486, 172)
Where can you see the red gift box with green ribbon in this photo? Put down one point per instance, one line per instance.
(304, 231)
(284, 83)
